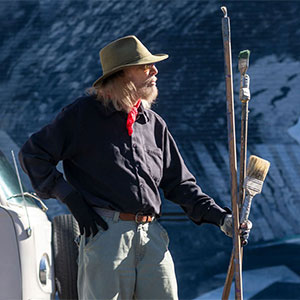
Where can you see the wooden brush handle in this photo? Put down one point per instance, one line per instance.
(246, 209)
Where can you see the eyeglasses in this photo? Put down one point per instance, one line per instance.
(148, 67)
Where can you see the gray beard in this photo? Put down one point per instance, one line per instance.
(148, 94)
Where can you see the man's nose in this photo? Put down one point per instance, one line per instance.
(153, 70)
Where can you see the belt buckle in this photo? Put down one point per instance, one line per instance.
(141, 214)
(136, 218)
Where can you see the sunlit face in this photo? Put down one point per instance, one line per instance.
(144, 79)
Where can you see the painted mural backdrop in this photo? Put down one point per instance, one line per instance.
(49, 56)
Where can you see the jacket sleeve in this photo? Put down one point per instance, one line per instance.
(40, 155)
(180, 186)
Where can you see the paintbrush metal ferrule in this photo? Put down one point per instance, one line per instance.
(253, 186)
(244, 88)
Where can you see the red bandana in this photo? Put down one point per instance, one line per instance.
(132, 117)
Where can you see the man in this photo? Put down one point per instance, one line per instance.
(117, 154)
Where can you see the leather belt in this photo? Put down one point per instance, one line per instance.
(139, 218)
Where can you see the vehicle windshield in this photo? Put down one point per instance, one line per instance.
(9, 184)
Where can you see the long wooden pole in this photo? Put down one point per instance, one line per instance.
(232, 154)
(244, 131)
(244, 97)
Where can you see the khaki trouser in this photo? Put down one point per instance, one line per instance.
(128, 261)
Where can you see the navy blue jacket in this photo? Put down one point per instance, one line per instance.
(110, 168)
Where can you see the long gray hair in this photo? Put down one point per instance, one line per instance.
(119, 90)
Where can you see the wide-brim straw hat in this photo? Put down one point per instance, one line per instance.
(125, 52)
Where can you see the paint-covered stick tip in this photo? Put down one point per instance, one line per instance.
(224, 10)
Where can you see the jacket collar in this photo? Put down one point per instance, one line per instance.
(142, 112)
(110, 110)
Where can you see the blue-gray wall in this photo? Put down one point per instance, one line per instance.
(49, 56)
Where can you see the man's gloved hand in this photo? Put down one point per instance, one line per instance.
(245, 228)
(86, 217)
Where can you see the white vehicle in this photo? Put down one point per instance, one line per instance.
(37, 258)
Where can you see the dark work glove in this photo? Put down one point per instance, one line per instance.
(86, 217)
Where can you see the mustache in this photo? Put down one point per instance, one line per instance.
(153, 78)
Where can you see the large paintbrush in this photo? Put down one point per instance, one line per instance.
(257, 171)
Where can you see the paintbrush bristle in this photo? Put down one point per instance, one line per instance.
(257, 168)
(245, 54)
